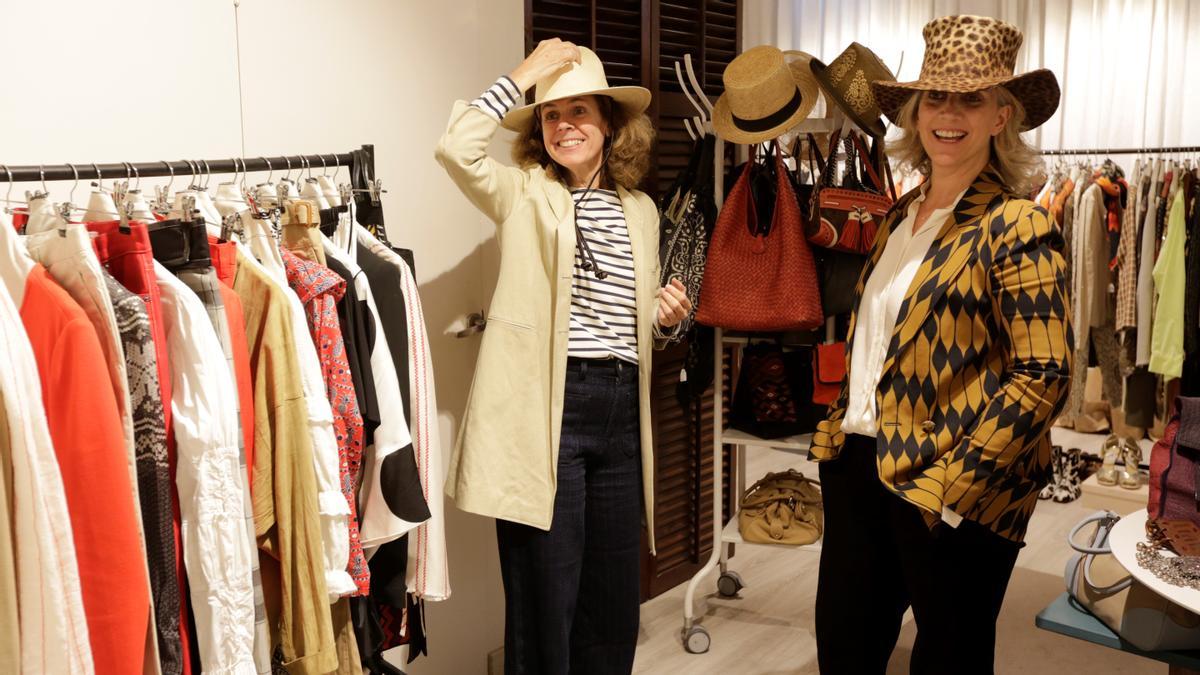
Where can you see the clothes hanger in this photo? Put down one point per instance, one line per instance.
(162, 195)
(100, 203)
(8, 195)
(133, 197)
(328, 188)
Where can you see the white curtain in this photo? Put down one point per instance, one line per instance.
(1129, 69)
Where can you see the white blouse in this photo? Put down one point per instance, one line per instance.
(210, 480)
(882, 297)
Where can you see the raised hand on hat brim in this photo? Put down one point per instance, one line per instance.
(549, 57)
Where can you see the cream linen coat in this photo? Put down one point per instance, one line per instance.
(505, 461)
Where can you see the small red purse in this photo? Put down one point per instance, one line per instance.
(829, 370)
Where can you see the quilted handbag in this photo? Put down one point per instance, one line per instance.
(846, 217)
(760, 278)
(829, 369)
(1099, 583)
(1175, 466)
(782, 508)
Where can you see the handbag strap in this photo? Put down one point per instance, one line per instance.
(1099, 544)
(1087, 554)
(830, 167)
(865, 158)
(814, 157)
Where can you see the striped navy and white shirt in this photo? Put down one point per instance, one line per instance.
(499, 98)
(603, 311)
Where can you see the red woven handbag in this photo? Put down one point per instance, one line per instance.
(760, 280)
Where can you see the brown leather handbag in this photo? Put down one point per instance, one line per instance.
(760, 276)
(846, 217)
(782, 508)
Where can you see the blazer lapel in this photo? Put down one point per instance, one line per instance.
(559, 199)
(633, 221)
(956, 243)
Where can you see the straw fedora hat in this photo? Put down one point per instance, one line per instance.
(581, 79)
(972, 53)
(847, 82)
(764, 96)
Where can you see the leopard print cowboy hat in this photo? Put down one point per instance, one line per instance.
(972, 53)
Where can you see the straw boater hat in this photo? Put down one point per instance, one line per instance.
(972, 53)
(581, 79)
(764, 96)
(847, 82)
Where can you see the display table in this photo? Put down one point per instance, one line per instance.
(1124, 538)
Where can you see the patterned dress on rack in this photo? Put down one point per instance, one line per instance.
(319, 290)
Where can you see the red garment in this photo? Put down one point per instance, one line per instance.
(224, 258)
(128, 257)
(320, 289)
(85, 428)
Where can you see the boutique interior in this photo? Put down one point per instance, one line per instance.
(316, 125)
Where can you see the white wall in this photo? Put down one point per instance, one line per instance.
(142, 80)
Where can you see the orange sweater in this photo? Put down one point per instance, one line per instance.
(85, 428)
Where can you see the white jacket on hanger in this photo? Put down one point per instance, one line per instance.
(53, 627)
(428, 574)
(377, 525)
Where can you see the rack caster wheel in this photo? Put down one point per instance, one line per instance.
(696, 640)
(729, 584)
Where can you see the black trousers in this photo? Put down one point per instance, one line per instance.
(572, 593)
(879, 557)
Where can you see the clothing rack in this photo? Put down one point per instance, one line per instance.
(1125, 151)
(29, 173)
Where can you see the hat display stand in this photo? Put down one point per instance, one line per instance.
(695, 637)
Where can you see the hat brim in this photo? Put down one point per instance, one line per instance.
(1037, 91)
(634, 100)
(873, 126)
(727, 129)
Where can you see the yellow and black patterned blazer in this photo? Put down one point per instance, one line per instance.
(979, 363)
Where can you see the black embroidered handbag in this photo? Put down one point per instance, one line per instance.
(686, 217)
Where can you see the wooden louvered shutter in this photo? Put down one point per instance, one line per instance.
(709, 31)
(639, 42)
(611, 28)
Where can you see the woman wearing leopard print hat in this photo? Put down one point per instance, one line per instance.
(957, 364)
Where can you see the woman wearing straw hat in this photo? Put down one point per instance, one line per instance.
(958, 362)
(556, 438)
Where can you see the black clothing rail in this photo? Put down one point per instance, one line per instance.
(28, 173)
(1125, 151)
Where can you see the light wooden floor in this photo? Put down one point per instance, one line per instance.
(768, 630)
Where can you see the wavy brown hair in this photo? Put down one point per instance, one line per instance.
(1015, 160)
(629, 153)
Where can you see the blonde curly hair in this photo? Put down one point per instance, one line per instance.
(1015, 160)
(628, 155)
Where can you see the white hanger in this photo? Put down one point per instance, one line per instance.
(702, 122)
(100, 204)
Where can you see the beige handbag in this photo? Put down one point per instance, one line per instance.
(1140, 616)
(782, 508)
